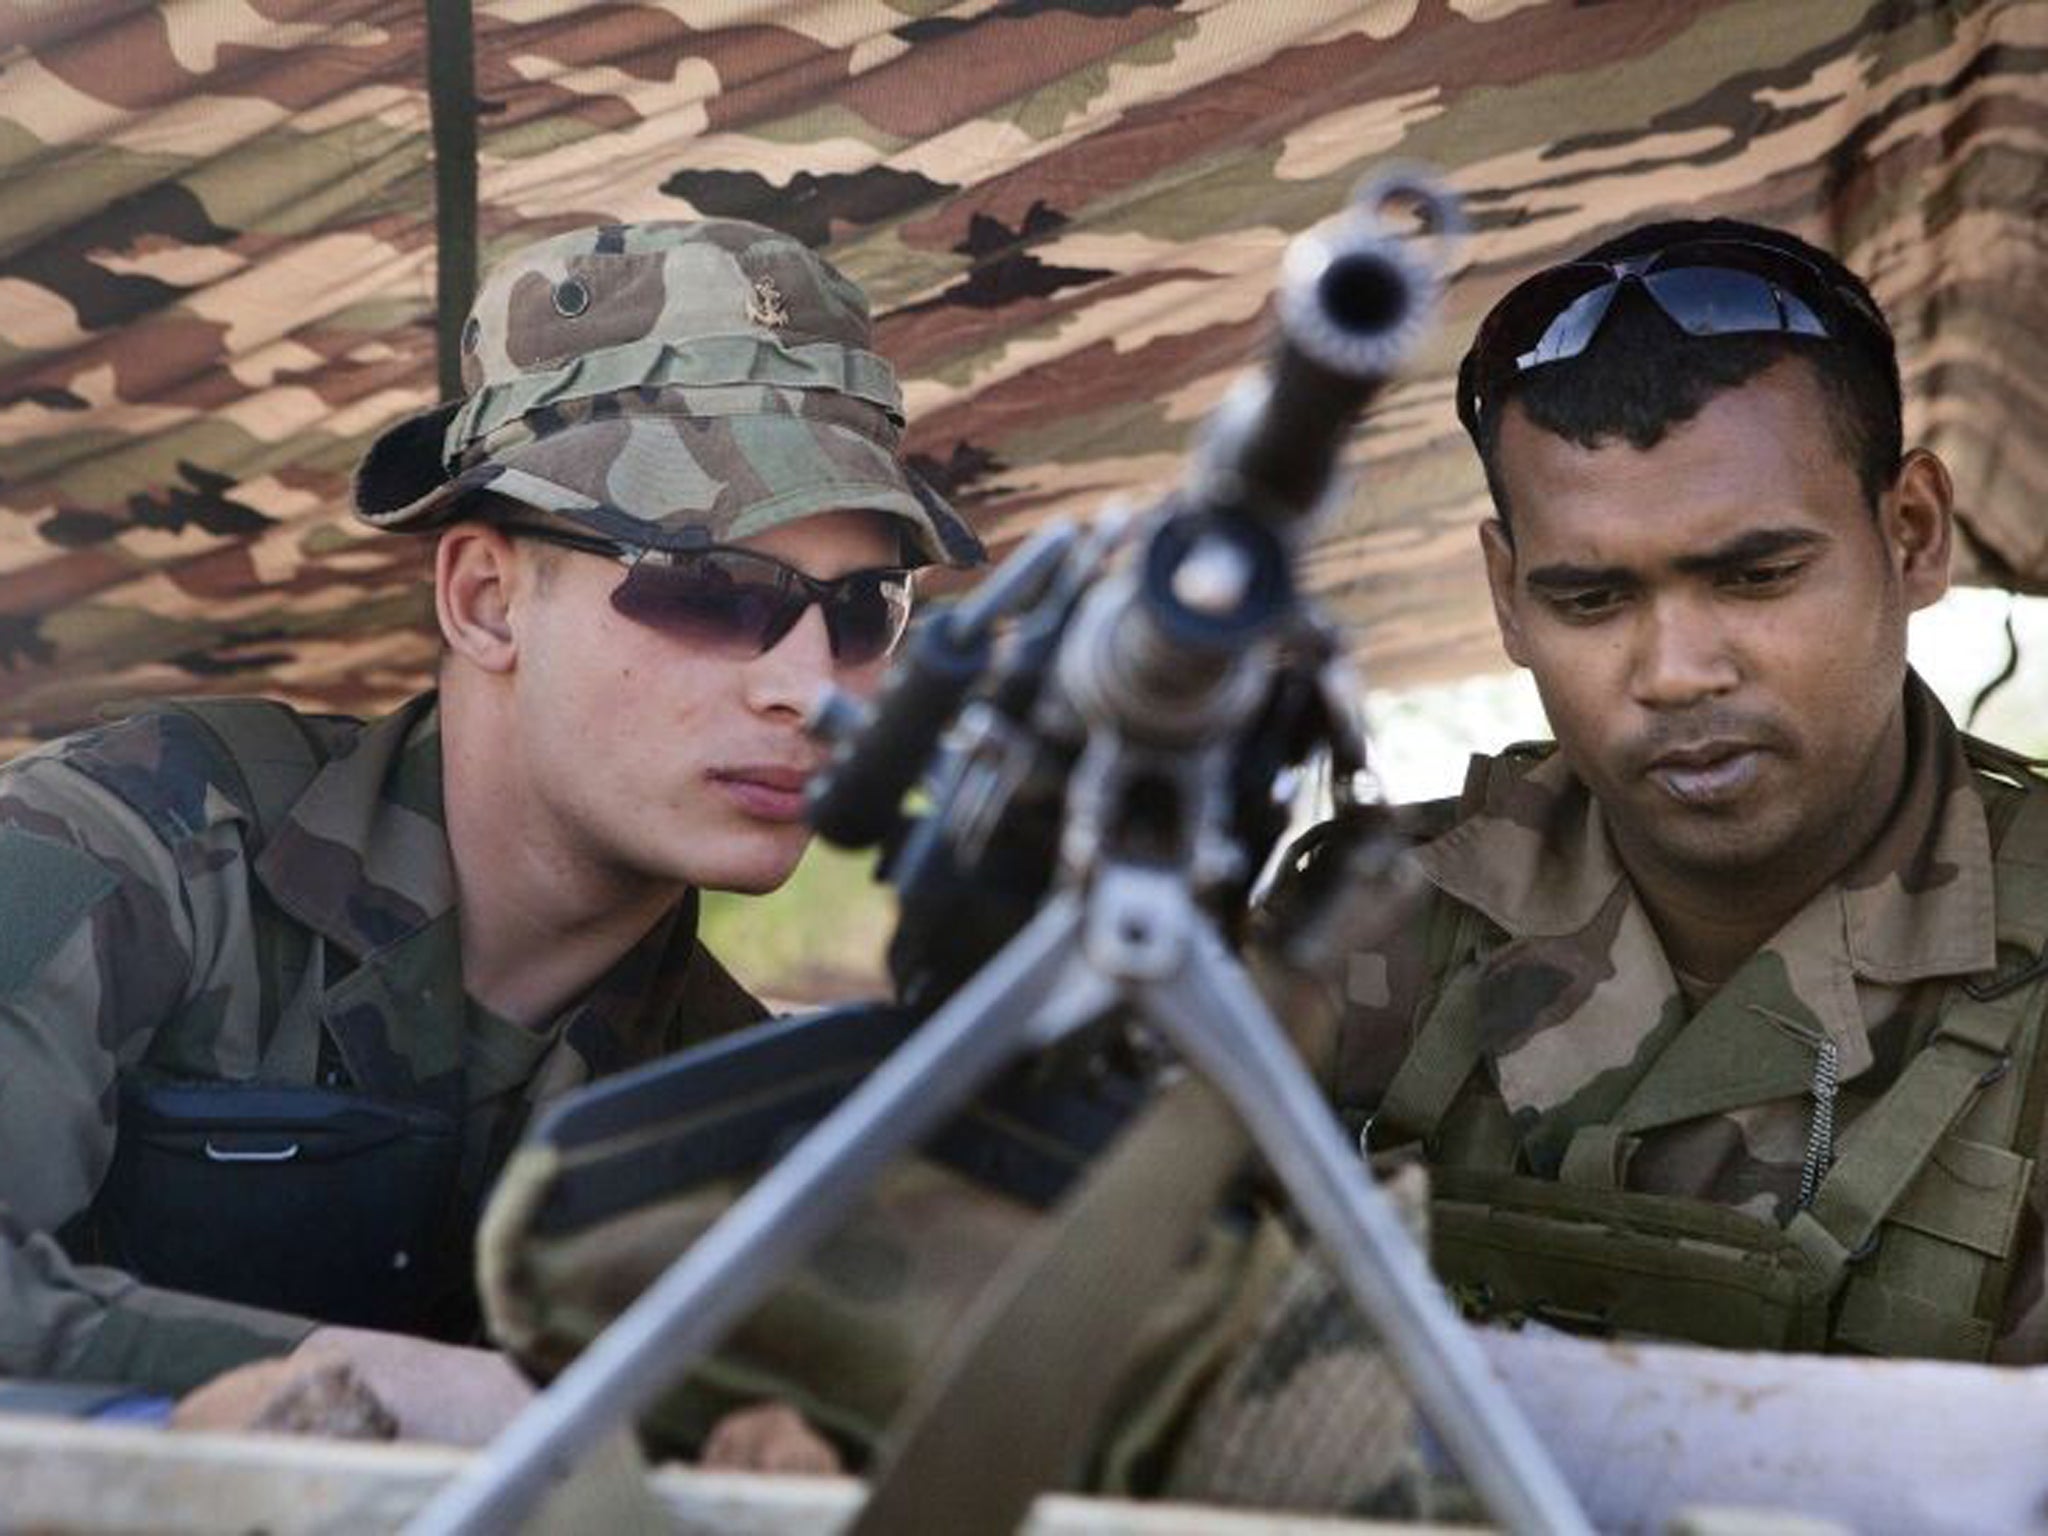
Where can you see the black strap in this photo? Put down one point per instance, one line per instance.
(451, 89)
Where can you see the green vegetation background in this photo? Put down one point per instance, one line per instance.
(822, 938)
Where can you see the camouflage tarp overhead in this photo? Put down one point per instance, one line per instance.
(218, 257)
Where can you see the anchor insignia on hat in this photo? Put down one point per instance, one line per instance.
(764, 306)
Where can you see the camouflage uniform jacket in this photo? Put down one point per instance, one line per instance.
(1576, 1002)
(137, 913)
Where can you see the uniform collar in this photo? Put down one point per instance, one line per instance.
(1579, 998)
(362, 856)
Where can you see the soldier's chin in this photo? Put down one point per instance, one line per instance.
(763, 866)
(1723, 850)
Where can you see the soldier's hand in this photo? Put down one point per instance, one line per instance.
(296, 1394)
(768, 1437)
(435, 1391)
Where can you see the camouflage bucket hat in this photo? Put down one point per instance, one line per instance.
(661, 383)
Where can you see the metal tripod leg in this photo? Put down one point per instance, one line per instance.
(1201, 1000)
(1037, 988)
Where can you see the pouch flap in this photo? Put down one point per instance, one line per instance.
(1969, 1193)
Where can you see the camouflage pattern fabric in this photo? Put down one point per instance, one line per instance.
(671, 383)
(842, 1339)
(1306, 1411)
(136, 925)
(1579, 1014)
(217, 259)
(1251, 1380)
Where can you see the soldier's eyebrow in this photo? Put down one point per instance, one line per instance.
(1743, 550)
(1565, 577)
(1749, 548)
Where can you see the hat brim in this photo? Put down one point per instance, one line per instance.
(665, 480)
(401, 477)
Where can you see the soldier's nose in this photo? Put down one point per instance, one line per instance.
(792, 674)
(1680, 656)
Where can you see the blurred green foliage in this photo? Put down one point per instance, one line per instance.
(821, 938)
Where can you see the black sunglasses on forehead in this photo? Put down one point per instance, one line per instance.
(1706, 287)
(739, 602)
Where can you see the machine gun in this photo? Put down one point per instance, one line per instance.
(1097, 729)
(1140, 708)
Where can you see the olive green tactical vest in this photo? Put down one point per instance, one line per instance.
(1906, 1245)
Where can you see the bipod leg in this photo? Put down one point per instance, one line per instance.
(1206, 1005)
(1034, 989)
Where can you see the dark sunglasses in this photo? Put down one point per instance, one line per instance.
(739, 602)
(1705, 287)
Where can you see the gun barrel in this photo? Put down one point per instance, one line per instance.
(1355, 300)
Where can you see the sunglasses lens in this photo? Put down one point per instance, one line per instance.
(866, 614)
(1552, 316)
(735, 603)
(1720, 287)
(709, 603)
(1570, 331)
(1539, 320)
(1715, 301)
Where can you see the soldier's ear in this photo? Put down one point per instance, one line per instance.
(473, 585)
(1499, 550)
(1917, 520)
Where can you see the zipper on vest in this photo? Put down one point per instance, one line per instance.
(1820, 1122)
(1820, 1127)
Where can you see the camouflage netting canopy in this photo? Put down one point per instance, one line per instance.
(218, 272)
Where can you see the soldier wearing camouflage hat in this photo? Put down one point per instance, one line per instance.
(1723, 1022)
(280, 991)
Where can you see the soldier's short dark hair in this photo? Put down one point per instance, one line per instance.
(1642, 375)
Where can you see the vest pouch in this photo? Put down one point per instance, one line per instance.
(315, 1201)
(615, 1180)
(1617, 1264)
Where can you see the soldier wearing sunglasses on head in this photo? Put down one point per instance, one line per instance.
(1723, 1019)
(282, 990)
